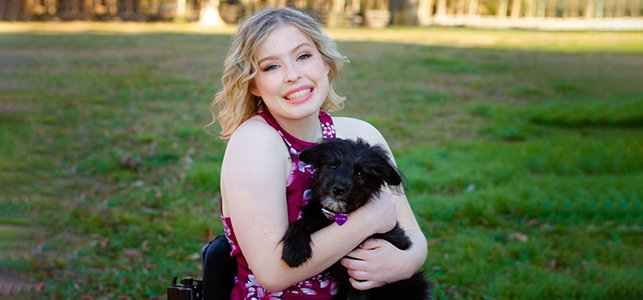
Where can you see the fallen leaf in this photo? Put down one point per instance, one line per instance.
(131, 252)
(519, 237)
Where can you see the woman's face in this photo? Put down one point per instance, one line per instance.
(292, 78)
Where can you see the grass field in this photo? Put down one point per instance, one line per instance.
(523, 151)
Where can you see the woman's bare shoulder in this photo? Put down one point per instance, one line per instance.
(351, 128)
(255, 134)
(255, 143)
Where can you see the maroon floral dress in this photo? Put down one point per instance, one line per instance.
(319, 287)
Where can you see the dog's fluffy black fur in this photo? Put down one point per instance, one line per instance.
(348, 175)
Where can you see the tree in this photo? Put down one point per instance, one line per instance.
(209, 15)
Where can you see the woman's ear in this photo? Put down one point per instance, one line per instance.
(254, 90)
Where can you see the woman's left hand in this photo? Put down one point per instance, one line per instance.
(374, 263)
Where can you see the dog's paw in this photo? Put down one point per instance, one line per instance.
(296, 256)
(296, 249)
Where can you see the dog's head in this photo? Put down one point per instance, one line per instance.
(349, 173)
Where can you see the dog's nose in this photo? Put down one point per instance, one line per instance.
(338, 189)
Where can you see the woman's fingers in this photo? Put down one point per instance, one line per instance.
(363, 285)
(353, 264)
(358, 275)
(370, 244)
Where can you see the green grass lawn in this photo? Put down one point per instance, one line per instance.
(523, 152)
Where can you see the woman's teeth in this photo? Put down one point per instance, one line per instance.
(298, 94)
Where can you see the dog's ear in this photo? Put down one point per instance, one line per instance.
(316, 154)
(391, 174)
(394, 178)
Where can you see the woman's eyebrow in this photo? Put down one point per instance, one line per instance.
(291, 51)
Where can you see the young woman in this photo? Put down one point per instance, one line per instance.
(277, 87)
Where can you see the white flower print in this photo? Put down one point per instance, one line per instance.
(333, 288)
(308, 194)
(304, 167)
(291, 177)
(228, 234)
(324, 283)
(294, 152)
(257, 292)
(328, 130)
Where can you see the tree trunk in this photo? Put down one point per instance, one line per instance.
(551, 8)
(609, 8)
(573, 8)
(88, 7)
(338, 6)
(530, 9)
(600, 8)
(473, 8)
(112, 7)
(355, 6)
(410, 12)
(589, 9)
(209, 15)
(620, 8)
(566, 9)
(460, 8)
(502, 9)
(515, 9)
(425, 12)
(52, 8)
(635, 8)
(180, 8)
(3, 8)
(442, 8)
(540, 8)
(75, 7)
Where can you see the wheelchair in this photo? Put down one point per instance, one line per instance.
(219, 271)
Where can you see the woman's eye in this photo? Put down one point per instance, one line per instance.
(270, 67)
(303, 56)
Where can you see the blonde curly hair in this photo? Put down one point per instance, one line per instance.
(234, 102)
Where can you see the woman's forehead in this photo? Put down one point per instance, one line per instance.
(282, 40)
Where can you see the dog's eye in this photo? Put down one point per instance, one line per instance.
(334, 167)
(358, 173)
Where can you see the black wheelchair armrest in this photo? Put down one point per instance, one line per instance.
(219, 269)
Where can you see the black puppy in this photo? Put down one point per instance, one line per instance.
(349, 174)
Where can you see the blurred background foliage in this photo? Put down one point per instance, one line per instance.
(533, 14)
(523, 151)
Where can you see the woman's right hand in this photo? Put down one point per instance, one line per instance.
(380, 212)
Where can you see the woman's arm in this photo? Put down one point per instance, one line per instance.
(377, 262)
(253, 180)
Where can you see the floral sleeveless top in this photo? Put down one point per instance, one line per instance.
(319, 287)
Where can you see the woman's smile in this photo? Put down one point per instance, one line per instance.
(299, 95)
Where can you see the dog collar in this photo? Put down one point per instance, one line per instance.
(339, 218)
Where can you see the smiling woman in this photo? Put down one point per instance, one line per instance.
(277, 89)
(292, 80)
(234, 102)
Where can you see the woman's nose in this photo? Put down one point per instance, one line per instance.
(293, 73)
